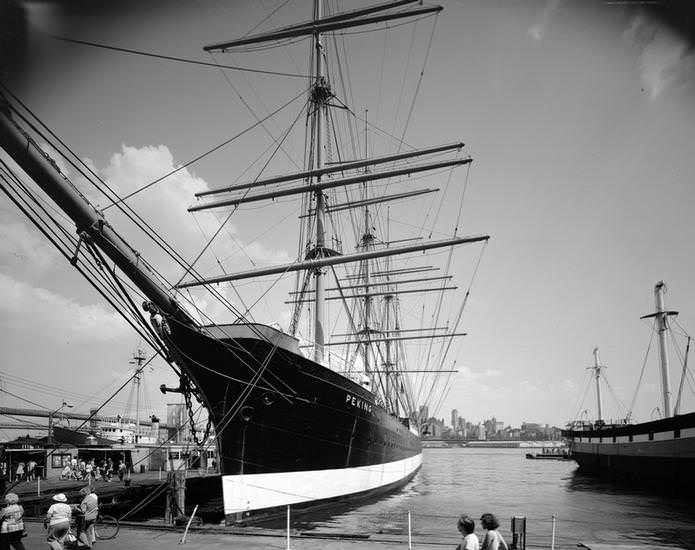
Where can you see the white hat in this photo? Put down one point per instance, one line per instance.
(60, 497)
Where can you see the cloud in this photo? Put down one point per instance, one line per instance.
(27, 256)
(164, 205)
(23, 249)
(569, 384)
(27, 309)
(467, 375)
(664, 59)
(538, 30)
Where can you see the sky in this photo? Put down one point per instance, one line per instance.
(580, 120)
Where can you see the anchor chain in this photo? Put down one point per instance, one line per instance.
(185, 389)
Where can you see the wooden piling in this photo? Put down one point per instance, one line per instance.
(176, 496)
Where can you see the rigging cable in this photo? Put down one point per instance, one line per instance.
(581, 396)
(422, 74)
(172, 253)
(172, 58)
(644, 365)
(207, 153)
(125, 209)
(55, 241)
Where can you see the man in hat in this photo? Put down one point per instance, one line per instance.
(88, 510)
(58, 520)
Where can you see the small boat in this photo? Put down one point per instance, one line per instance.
(551, 453)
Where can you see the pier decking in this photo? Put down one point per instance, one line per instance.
(36, 496)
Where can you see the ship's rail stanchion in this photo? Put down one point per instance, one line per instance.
(410, 532)
(519, 532)
(552, 536)
(288, 528)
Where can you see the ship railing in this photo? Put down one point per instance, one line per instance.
(414, 528)
(348, 368)
(583, 425)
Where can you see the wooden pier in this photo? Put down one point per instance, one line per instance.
(35, 496)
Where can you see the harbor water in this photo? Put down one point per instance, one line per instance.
(502, 481)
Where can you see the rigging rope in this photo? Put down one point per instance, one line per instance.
(172, 58)
(205, 154)
(644, 365)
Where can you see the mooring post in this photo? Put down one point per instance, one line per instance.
(410, 532)
(38, 486)
(176, 496)
(288, 528)
(552, 538)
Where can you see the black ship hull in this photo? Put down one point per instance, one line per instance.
(290, 431)
(659, 453)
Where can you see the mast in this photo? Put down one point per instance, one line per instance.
(138, 359)
(597, 372)
(319, 95)
(367, 239)
(659, 290)
(661, 316)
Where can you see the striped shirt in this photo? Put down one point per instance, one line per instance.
(12, 518)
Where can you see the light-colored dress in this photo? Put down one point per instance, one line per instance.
(470, 542)
(494, 541)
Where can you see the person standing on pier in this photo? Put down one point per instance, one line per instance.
(12, 529)
(58, 520)
(31, 470)
(121, 469)
(19, 472)
(88, 509)
(466, 526)
(493, 539)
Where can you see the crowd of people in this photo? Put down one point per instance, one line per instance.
(57, 521)
(89, 470)
(493, 539)
(23, 472)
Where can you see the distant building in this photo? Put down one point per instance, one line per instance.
(424, 414)
(177, 423)
(454, 418)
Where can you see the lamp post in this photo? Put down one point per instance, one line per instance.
(50, 420)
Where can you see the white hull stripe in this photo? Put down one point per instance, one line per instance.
(243, 493)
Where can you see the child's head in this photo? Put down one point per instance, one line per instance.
(489, 521)
(465, 524)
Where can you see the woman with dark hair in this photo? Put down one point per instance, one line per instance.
(493, 539)
(466, 526)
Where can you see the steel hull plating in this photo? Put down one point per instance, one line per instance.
(659, 453)
(288, 428)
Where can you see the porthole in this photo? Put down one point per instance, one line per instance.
(268, 398)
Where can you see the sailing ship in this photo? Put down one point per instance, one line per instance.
(296, 423)
(660, 453)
